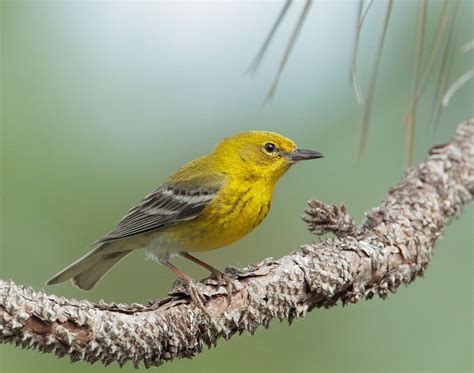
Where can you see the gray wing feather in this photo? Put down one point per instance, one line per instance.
(165, 206)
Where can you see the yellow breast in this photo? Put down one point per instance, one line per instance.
(235, 211)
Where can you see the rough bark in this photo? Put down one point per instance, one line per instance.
(392, 247)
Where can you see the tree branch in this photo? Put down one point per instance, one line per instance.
(393, 246)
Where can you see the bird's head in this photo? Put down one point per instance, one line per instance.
(261, 154)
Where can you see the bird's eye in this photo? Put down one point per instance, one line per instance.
(269, 147)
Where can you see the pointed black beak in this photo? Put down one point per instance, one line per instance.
(304, 154)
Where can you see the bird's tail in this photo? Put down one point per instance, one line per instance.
(88, 270)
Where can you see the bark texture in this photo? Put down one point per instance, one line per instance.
(392, 247)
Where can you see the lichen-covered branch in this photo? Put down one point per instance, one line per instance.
(392, 247)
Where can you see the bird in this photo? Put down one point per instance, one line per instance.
(207, 204)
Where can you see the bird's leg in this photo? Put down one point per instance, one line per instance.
(189, 285)
(221, 276)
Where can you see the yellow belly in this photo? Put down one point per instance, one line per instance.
(230, 216)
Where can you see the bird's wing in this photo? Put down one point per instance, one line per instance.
(168, 205)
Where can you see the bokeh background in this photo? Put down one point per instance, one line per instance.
(102, 100)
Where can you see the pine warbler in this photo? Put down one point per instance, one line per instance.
(207, 204)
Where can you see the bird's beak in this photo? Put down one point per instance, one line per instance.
(303, 154)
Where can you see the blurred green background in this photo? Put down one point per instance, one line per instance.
(101, 101)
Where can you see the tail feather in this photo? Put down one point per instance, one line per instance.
(89, 269)
(87, 279)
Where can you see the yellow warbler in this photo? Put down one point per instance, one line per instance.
(207, 204)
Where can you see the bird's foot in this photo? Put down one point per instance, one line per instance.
(224, 279)
(196, 296)
(191, 289)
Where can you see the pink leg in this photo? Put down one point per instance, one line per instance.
(193, 292)
(222, 277)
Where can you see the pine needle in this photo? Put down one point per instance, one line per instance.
(263, 49)
(427, 71)
(446, 64)
(291, 43)
(410, 119)
(467, 47)
(456, 86)
(354, 74)
(373, 80)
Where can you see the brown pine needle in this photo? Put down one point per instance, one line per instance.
(354, 74)
(263, 49)
(291, 43)
(373, 80)
(446, 64)
(410, 119)
(427, 71)
(366, 11)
